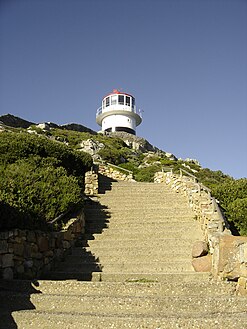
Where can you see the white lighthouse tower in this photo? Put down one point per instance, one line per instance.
(118, 113)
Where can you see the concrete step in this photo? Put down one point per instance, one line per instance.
(141, 220)
(108, 257)
(167, 277)
(164, 243)
(139, 252)
(154, 225)
(56, 320)
(189, 306)
(140, 212)
(127, 267)
(133, 235)
(156, 289)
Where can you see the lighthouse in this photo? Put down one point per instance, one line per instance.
(118, 113)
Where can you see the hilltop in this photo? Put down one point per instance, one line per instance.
(122, 149)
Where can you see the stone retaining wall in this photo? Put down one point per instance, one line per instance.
(228, 253)
(91, 182)
(111, 172)
(29, 254)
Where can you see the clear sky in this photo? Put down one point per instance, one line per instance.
(185, 61)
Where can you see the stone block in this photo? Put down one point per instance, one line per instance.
(18, 249)
(4, 235)
(232, 257)
(67, 235)
(66, 245)
(28, 263)
(20, 269)
(7, 260)
(202, 264)
(242, 286)
(8, 273)
(200, 248)
(3, 247)
(43, 243)
(31, 237)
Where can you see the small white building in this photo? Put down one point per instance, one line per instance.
(118, 113)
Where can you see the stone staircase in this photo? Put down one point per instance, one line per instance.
(131, 269)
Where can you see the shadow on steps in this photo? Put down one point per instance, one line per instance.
(81, 263)
(105, 183)
(15, 296)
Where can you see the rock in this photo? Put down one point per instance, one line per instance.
(13, 121)
(232, 258)
(92, 147)
(3, 246)
(199, 249)
(43, 244)
(242, 286)
(7, 260)
(18, 249)
(43, 126)
(202, 264)
(78, 127)
(8, 274)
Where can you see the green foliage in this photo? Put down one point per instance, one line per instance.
(237, 213)
(23, 145)
(37, 190)
(232, 195)
(39, 179)
(147, 174)
(212, 178)
(167, 162)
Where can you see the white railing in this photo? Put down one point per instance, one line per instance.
(129, 109)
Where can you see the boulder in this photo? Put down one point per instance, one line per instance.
(202, 264)
(200, 248)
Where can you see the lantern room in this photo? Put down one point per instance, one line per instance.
(118, 113)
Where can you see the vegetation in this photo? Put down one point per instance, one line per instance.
(232, 195)
(41, 175)
(39, 179)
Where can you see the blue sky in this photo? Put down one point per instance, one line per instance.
(185, 61)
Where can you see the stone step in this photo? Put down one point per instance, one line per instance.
(131, 277)
(55, 320)
(127, 267)
(113, 258)
(188, 306)
(153, 196)
(96, 234)
(134, 243)
(105, 251)
(112, 223)
(101, 250)
(140, 289)
(141, 220)
(150, 212)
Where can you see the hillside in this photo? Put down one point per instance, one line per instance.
(137, 155)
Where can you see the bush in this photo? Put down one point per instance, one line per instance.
(237, 213)
(37, 191)
(23, 145)
(39, 179)
(232, 195)
(147, 174)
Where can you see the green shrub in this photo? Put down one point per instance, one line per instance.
(37, 191)
(15, 146)
(237, 213)
(39, 179)
(147, 174)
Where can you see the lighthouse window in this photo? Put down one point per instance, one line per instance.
(121, 99)
(107, 101)
(113, 100)
(127, 100)
(133, 103)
